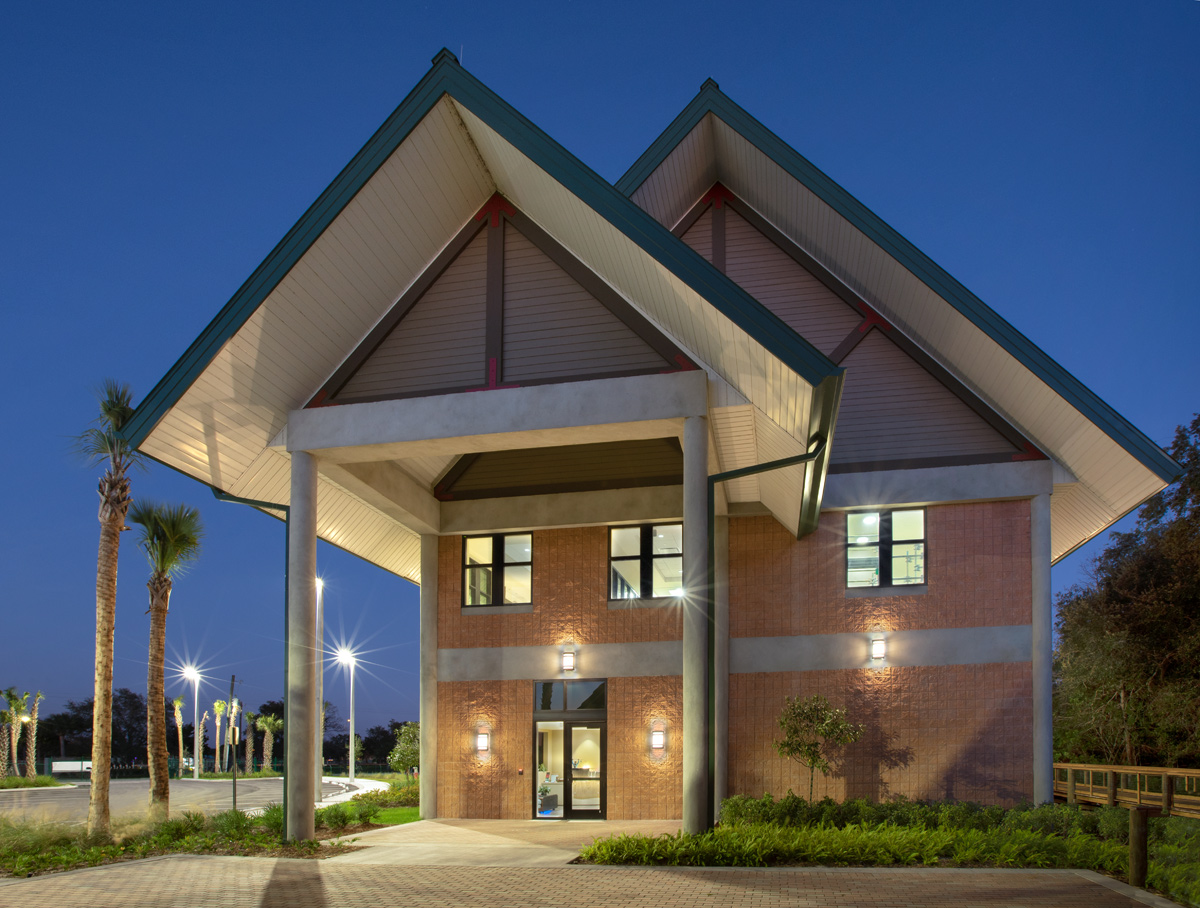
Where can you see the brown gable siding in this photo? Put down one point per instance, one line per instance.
(894, 410)
(440, 343)
(554, 328)
(699, 235)
(776, 280)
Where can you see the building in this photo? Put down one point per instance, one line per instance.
(659, 454)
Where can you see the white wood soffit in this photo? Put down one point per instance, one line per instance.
(1111, 481)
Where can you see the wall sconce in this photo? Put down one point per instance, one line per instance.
(878, 648)
(568, 660)
(658, 738)
(482, 741)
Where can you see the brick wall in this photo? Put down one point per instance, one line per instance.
(570, 599)
(639, 786)
(962, 732)
(978, 567)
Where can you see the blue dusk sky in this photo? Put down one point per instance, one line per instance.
(1045, 154)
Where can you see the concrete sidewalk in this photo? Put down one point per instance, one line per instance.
(517, 864)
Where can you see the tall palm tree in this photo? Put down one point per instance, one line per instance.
(250, 717)
(103, 444)
(200, 735)
(218, 711)
(170, 538)
(270, 726)
(178, 704)
(5, 719)
(18, 712)
(31, 738)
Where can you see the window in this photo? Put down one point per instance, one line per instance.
(498, 570)
(645, 562)
(885, 548)
(548, 696)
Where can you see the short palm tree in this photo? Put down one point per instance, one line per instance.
(218, 711)
(170, 538)
(178, 704)
(250, 717)
(18, 712)
(270, 726)
(5, 719)
(103, 444)
(200, 735)
(31, 738)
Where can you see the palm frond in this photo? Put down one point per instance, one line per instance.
(170, 535)
(102, 442)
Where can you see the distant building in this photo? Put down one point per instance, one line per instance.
(477, 365)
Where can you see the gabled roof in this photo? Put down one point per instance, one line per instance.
(1111, 467)
(219, 412)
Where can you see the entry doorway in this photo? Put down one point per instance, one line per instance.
(569, 746)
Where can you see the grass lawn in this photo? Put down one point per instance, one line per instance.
(396, 816)
(36, 782)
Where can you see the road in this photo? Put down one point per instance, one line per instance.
(128, 797)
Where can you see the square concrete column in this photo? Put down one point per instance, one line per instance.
(695, 624)
(429, 647)
(300, 721)
(1043, 652)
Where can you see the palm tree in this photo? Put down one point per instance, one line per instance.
(178, 704)
(170, 538)
(270, 726)
(31, 739)
(200, 740)
(102, 443)
(250, 717)
(5, 719)
(18, 712)
(218, 711)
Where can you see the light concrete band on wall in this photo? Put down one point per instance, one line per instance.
(1043, 643)
(429, 676)
(300, 721)
(695, 624)
(934, 485)
(823, 652)
(544, 663)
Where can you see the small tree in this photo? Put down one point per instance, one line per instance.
(270, 726)
(406, 755)
(201, 733)
(31, 738)
(5, 719)
(810, 727)
(18, 709)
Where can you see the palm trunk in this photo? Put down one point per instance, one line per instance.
(179, 729)
(31, 741)
(3, 752)
(268, 750)
(114, 502)
(14, 745)
(156, 704)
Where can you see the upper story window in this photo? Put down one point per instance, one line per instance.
(498, 569)
(645, 562)
(885, 548)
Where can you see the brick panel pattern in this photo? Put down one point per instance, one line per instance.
(640, 787)
(961, 731)
(486, 788)
(978, 575)
(570, 599)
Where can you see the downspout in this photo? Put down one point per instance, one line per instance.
(287, 516)
(710, 592)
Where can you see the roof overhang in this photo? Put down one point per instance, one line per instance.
(1106, 466)
(221, 412)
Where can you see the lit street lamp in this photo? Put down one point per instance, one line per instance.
(346, 657)
(192, 674)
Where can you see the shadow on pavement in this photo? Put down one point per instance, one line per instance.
(294, 884)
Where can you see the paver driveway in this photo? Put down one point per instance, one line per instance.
(506, 872)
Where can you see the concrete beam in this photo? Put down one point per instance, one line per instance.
(615, 409)
(695, 625)
(989, 481)
(596, 660)
(567, 509)
(388, 488)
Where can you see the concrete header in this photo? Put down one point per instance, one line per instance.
(939, 485)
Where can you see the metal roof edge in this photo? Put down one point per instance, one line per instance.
(447, 77)
(712, 100)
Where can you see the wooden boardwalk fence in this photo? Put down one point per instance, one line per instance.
(1164, 791)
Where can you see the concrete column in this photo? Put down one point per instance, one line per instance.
(429, 646)
(695, 624)
(300, 723)
(721, 662)
(1043, 645)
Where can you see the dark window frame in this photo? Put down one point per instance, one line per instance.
(497, 569)
(645, 556)
(885, 548)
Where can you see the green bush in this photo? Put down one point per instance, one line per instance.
(398, 794)
(335, 817)
(367, 811)
(232, 824)
(271, 819)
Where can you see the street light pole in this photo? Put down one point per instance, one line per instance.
(193, 675)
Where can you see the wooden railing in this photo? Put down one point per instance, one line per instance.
(1169, 792)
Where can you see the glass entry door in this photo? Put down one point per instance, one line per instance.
(586, 792)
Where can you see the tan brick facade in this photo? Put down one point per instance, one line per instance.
(959, 731)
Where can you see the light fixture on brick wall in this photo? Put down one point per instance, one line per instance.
(878, 648)
(483, 740)
(658, 738)
(568, 660)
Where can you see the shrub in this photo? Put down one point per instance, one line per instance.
(335, 817)
(231, 824)
(367, 811)
(271, 819)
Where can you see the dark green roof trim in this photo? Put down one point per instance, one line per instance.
(712, 100)
(447, 77)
